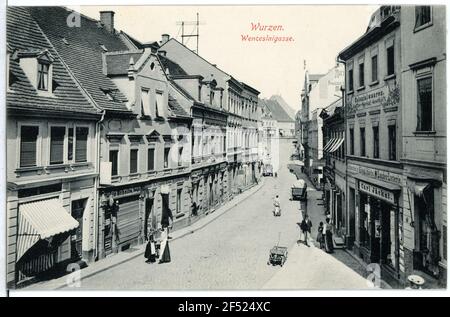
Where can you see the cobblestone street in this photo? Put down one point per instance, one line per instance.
(229, 253)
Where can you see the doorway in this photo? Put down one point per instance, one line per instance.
(149, 219)
(76, 239)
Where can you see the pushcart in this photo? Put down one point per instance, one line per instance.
(277, 255)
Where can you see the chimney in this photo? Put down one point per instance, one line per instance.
(107, 19)
(165, 38)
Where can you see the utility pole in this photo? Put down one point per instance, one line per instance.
(196, 24)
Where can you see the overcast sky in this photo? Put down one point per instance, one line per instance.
(319, 33)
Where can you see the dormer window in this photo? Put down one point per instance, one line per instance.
(43, 75)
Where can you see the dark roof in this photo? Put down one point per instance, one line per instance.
(117, 63)
(83, 52)
(24, 36)
(176, 109)
(277, 111)
(174, 68)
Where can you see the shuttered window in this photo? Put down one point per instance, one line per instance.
(57, 135)
(81, 144)
(28, 142)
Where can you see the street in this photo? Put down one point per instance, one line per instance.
(232, 252)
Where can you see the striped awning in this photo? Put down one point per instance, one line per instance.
(41, 220)
(329, 144)
(336, 145)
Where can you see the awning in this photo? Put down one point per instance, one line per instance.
(336, 145)
(329, 143)
(41, 220)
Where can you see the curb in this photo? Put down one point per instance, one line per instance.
(256, 189)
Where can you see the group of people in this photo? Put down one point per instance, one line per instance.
(324, 233)
(159, 248)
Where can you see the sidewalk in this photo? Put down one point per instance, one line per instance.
(122, 257)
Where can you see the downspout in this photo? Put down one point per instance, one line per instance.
(97, 184)
(339, 61)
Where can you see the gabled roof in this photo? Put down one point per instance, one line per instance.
(81, 50)
(26, 39)
(277, 111)
(174, 68)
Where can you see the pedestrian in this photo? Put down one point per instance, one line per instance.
(320, 236)
(166, 220)
(276, 206)
(328, 237)
(305, 226)
(150, 250)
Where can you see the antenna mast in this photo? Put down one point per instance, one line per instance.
(197, 24)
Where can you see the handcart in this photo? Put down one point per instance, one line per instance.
(277, 255)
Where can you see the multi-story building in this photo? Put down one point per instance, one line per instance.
(239, 100)
(269, 141)
(335, 168)
(145, 131)
(52, 148)
(319, 91)
(424, 106)
(373, 118)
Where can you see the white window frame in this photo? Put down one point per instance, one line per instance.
(423, 73)
(88, 147)
(66, 142)
(133, 147)
(114, 147)
(145, 112)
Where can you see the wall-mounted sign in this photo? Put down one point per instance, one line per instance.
(377, 192)
(375, 174)
(384, 96)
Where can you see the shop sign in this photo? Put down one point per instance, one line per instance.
(126, 191)
(384, 96)
(377, 192)
(384, 176)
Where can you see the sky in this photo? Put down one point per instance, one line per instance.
(318, 34)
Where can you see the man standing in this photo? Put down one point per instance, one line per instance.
(305, 227)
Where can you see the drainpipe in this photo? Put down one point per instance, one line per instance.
(339, 61)
(98, 126)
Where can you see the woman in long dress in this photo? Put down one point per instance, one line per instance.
(328, 237)
(167, 218)
(150, 249)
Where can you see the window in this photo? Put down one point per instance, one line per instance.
(28, 145)
(113, 158)
(362, 139)
(211, 97)
(179, 192)
(424, 104)
(423, 15)
(390, 60)
(151, 159)
(133, 161)
(352, 141)
(43, 69)
(57, 135)
(81, 144)
(145, 103)
(159, 103)
(374, 68)
(361, 74)
(180, 156)
(392, 135)
(166, 157)
(376, 142)
(70, 145)
(350, 80)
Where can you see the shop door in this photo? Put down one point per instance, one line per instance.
(385, 250)
(150, 219)
(107, 233)
(76, 239)
(128, 221)
(376, 229)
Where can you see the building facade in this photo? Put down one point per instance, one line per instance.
(424, 108)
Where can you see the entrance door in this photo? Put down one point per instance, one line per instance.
(385, 234)
(149, 217)
(76, 240)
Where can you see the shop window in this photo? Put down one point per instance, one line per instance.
(81, 142)
(423, 16)
(352, 141)
(424, 104)
(364, 221)
(151, 159)
(57, 135)
(374, 68)
(392, 135)
(390, 60)
(113, 158)
(376, 142)
(28, 145)
(362, 139)
(133, 161)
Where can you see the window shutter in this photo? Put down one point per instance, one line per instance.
(28, 142)
(81, 145)
(57, 145)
